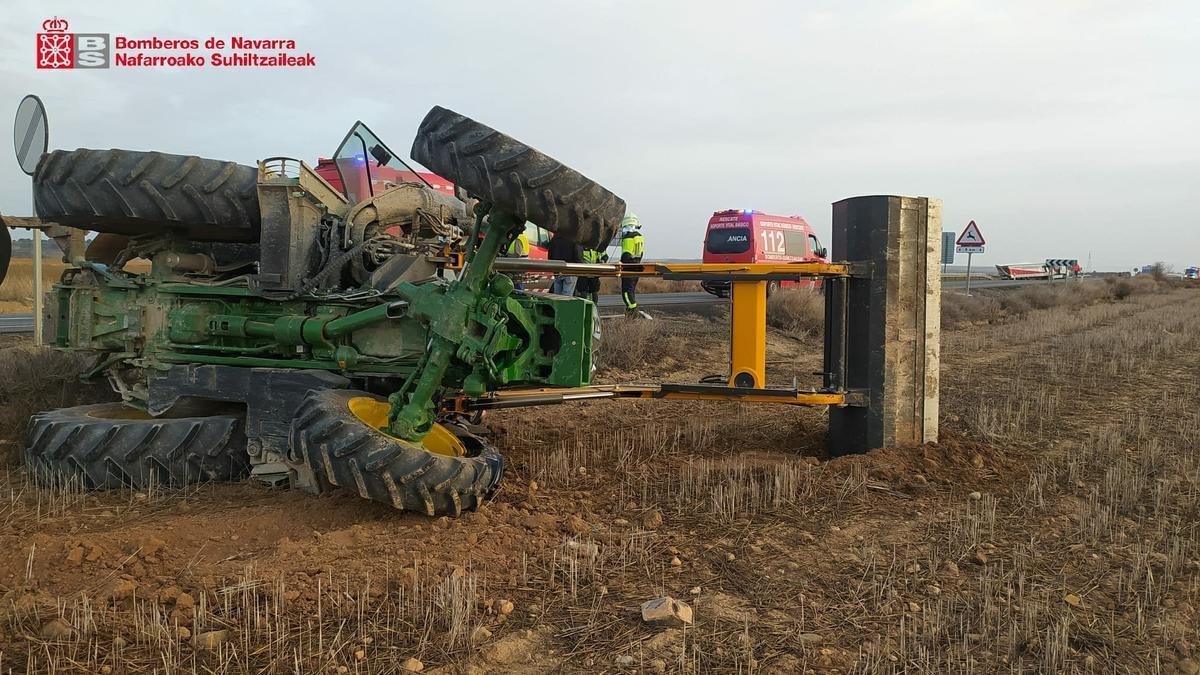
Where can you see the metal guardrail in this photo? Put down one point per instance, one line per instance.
(16, 323)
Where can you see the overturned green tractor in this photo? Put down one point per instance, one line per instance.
(303, 333)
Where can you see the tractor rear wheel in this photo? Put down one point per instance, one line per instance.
(109, 445)
(337, 434)
(128, 192)
(515, 178)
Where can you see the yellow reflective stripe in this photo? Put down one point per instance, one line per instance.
(519, 246)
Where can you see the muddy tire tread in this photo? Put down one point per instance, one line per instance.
(107, 453)
(132, 192)
(516, 178)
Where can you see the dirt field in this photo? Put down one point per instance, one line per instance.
(1053, 529)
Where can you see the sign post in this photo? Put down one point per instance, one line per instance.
(947, 250)
(970, 242)
(31, 138)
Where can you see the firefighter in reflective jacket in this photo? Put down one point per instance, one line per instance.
(632, 246)
(519, 248)
(589, 287)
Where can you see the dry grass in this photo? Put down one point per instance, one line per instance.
(18, 284)
(959, 310)
(612, 286)
(16, 292)
(630, 343)
(35, 379)
(1004, 305)
(362, 625)
(1094, 559)
(798, 311)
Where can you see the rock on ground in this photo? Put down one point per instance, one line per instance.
(211, 639)
(57, 629)
(667, 611)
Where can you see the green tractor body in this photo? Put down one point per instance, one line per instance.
(335, 328)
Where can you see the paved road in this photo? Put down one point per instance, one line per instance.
(666, 302)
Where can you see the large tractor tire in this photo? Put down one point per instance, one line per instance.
(109, 445)
(128, 192)
(515, 178)
(336, 433)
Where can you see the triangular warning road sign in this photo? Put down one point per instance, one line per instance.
(971, 236)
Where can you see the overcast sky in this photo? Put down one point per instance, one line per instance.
(1065, 129)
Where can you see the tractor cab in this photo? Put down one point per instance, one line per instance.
(363, 166)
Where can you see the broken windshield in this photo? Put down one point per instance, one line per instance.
(368, 166)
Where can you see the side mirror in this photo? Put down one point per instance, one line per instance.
(381, 154)
(821, 252)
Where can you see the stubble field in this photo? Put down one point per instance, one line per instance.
(1053, 528)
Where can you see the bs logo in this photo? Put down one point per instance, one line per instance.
(57, 49)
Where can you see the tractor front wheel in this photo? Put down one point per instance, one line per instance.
(337, 434)
(515, 178)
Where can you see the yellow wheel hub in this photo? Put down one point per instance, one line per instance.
(374, 413)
